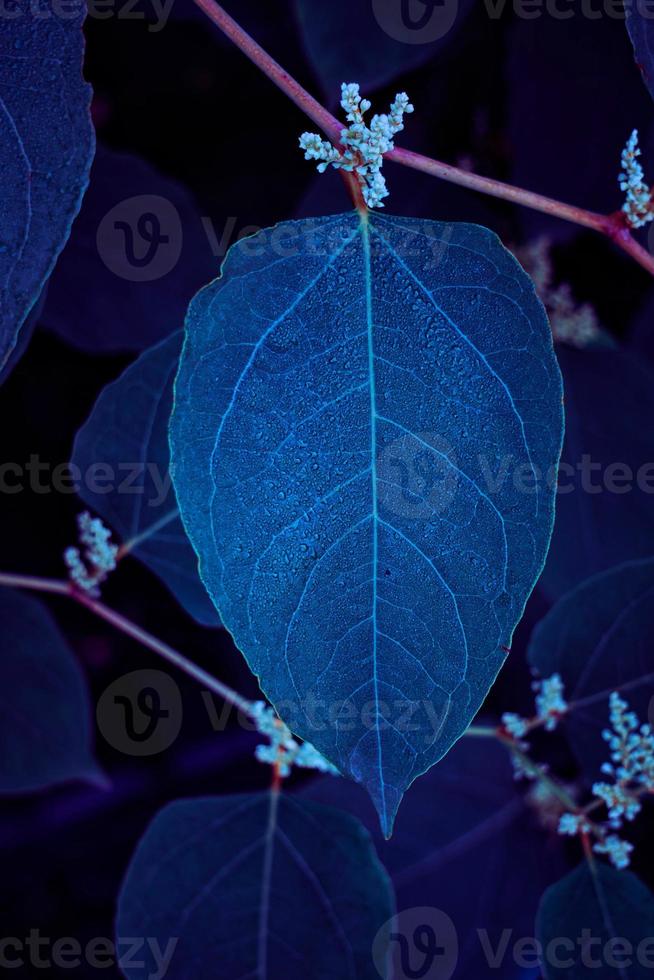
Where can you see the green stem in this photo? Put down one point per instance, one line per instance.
(612, 225)
(481, 731)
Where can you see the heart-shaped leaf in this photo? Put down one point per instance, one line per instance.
(600, 638)
(46, 148)
(364, 414)
(256, 886)
(121, 458)
(597, 922)
(45, 730)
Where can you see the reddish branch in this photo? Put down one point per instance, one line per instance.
(614, 225)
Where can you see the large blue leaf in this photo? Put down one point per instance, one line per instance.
(256, 886)
(466, 821)
(46, 148)
(383, 39)
(604, 512)
(24, 336)
(45, 710)
(580, 917)
(352, 405)
(122, 456)
(600, 638)
(136, 255)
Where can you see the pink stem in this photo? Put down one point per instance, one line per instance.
(310, 106)
(612, 225)
(126, 626)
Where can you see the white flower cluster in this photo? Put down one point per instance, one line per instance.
(515, 724)
(550, 702)
(631, 744)
(617, 850)
(632, 772)
(632, 765)
(638, 206)
(283, 750)
(571, 323)
(572, 824)
(363, 146)
(89, 570)
(550, 705)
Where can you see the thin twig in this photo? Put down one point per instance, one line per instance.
(310, 106)
(481, 731)
(58, 586)
(126, 626)
(497, 188)
(612, 225)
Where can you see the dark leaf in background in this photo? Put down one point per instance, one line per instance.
(373, 43)
(126, 436)
(470, 844)
(45, 716)
(137, 253)
(641, 334)
(337, 475)
(572, 155)
(605, 503)
(46, 148)
(640, 28)
(600, 638)
(604, 905)
(257, 886)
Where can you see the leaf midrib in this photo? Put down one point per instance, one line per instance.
(365, 238)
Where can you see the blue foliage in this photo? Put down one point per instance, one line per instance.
(103, 298)
(24, 336)
(377, 41)
(259, 886)
(600, 638)
(45, 716)
(600, 904)
(641, 334)
(466, 821)
(127, 432)
(553, 63)
(604, 512)
(347, 398)
(641, 31)
(46, 148)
